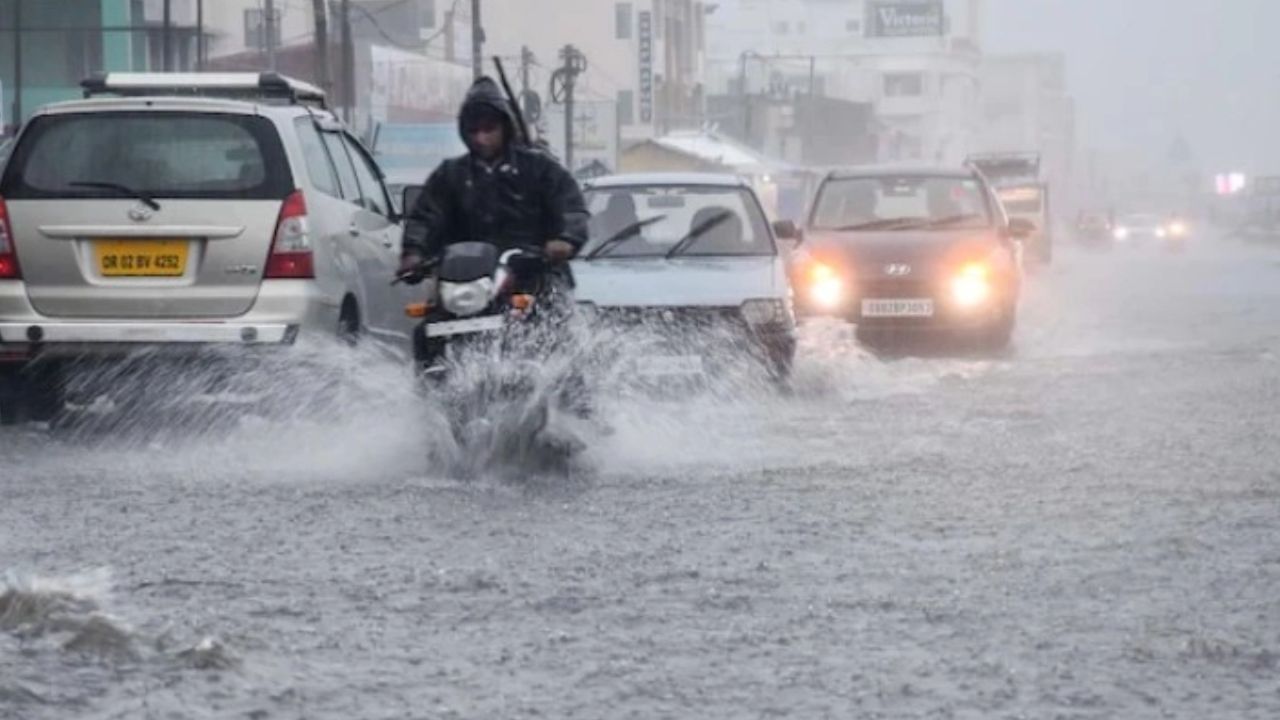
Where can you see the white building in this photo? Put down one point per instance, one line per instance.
(1026, 108)
(916, 61)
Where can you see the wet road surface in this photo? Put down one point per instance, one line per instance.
(1085, 528)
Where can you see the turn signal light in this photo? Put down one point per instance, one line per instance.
(522, 302)
(417, 310)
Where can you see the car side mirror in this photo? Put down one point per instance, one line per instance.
(409, 198)
(786, 230)
(1021, 228)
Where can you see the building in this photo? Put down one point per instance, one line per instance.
(405, 64)
(1026, 108)
(916, 62)
(48, 46)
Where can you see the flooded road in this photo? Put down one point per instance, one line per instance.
(1084, 528)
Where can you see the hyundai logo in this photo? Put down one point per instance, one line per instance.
(897, 270)
(140, 213)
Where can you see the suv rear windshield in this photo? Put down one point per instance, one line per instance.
(161, 155)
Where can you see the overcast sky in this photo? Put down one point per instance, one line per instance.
(1144, 70)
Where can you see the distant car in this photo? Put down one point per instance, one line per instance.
(693, 259)
(1169, 231)
(1093, 229)
(186, 211)
(912, 250)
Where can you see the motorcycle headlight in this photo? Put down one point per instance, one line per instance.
(766, 312)
(466, 299)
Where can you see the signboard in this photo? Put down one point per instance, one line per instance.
(595, 136)
(645, 36)
(905, 18)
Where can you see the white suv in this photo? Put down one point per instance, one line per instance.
(180, 211)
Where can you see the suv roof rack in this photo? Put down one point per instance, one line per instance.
(269, 86)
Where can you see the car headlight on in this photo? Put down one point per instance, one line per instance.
(826, 289)
(1162, 233)
(1177, 228)
(770, 311)
(1121, 233)
(971, 287)
(467, 299)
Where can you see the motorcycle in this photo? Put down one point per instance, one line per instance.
(484, 350)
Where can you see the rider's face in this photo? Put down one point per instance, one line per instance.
(486, 137)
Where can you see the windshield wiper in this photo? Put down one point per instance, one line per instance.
(144, 197)
(688, 240)
(626, 233)
(884, 224)
(953, 220)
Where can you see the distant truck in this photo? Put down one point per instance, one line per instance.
(1024, 194)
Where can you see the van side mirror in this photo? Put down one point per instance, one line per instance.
(1021, 228)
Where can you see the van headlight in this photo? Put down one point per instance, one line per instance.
(467, 299)
(768, 311)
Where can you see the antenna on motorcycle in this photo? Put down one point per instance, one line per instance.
(511, 98)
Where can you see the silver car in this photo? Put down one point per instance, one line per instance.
(691, 259)
(182, 211)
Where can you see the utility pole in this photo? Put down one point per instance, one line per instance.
(199, 35)
(348, 64)
(563, 82)
(526, 63)
(269, 31)
(166, 41)
(17, 63)
(320, 11)
(477, 41)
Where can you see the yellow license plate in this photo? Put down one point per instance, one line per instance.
(141, 258)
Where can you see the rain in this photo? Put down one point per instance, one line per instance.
(920, 359)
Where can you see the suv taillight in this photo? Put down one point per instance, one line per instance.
(9, 269)
(291, 255)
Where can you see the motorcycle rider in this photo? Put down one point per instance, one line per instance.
(501, 192)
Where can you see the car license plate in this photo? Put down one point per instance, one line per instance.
(916, 307)
(666, 365)
(141, 258)
(466, 327)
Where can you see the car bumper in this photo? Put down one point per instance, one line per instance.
(281, 312)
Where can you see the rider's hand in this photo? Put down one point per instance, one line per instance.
(559, 250)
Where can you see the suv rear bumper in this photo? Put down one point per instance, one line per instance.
(283, 309)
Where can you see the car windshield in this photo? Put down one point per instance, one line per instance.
(901, 202)
(646, 221)
(163, 155)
